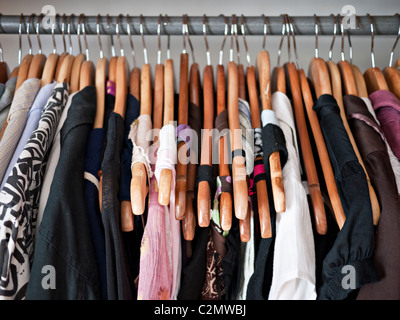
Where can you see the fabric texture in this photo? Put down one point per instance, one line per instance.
(17, 117)
(387, 236)
(64, 241)
(354, 243)
(51, 162)
(294, 256)
(6, 100)
(387, 109)
(34, 115)
(19, 200)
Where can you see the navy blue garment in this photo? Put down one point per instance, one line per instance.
(133, 238)
(91, 191)
(353, 247)
(64, 241)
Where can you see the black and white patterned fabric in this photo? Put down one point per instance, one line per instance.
(20, 197)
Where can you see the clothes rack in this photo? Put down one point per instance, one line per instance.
(304, 25)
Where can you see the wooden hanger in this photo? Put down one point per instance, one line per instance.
(392, 74)
(181, 168)
(374, 78)
(100, 82)
(294, 88)
(87, 72)
(342, 77)
(360, 82)
(320, 77)
(26, 61)
(121, 86)
(263, 68)
(139, 185)
(51, 63)
(225, 200)
(78, 61)
(239, 177)
(64, 53)
(189, 219)
(38, 61)
(204, 201)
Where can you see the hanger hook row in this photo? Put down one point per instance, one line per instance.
(395, 43)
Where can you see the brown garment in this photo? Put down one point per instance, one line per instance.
(213, 287)
(368, 136)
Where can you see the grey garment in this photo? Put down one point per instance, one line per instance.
(8, 94)
(2, 88)
(3, 116)
(64, 239)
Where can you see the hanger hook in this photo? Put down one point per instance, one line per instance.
(82, 21)
(143, 40)
(159, 39)
(395, 43)
(28, 34)
(78, 33)
(235, 33)
(165, 19)
(53, 27)
(101, 54)
(288, 37)
(38, 33)
(281, 42)
(265, 29)
(69, 34)
(111, 37)
(330, 53)
(121, 47)
(244, 39)
(221, 51)
(289, 20)
(372, 40)
(20, 39)
(205, 40)
(350, 45)
(185, 29)
(63, 32)
(316, 36)
(128, 29)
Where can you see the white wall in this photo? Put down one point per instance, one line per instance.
(305, 44)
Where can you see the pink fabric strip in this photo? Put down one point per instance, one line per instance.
(258, 169)
(384, 98)
(110, 87)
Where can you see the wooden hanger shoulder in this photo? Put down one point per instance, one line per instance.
(49, 70)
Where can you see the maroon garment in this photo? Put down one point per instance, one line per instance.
(374, 153)
(387, 109)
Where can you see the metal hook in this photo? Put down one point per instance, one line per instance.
(98, 36)
(121, 47)
(186, 28)
(111, 37)
(234, 23)
(78, 33)
(281, 42)
(143, 41)
(265, 31)
(20, 39)
(159, 39)
(38, 33)
(27, 33)
(206, 41)
(330, 53)
(288, 37)
(82, 21)
(395, 43)
(342, 43)
(372, 40)
(128, 29)
(316, 36)
(221, 51)
(244, 39)
(350, 45)
(69, 34)
(168, 37)
(294, 41)
(53, 26)
(63, 32)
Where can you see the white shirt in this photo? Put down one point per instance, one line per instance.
(393, 159)
(293, 275)
(52, 161)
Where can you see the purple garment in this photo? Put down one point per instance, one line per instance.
(387, 110)
(31, 124)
